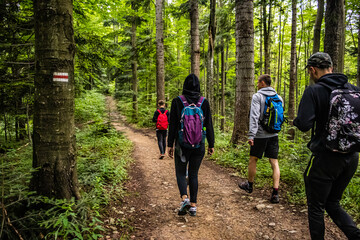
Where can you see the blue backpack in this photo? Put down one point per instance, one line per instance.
(192, 133)
(273, 114)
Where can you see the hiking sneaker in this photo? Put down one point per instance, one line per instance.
(162, 156)
(245, 186)
(192, 211)
(274, 198)
(184, 207)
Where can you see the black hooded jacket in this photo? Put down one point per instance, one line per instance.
(191, 91)
(314, 108)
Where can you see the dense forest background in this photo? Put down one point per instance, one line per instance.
(141, 51)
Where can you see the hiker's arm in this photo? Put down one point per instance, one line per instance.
(208, 124)
(254, 116)
(172, 123)
(306, 112)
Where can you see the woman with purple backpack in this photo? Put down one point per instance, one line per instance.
(190, 124)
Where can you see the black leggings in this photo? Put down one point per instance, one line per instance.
(326, 178)
(194, 157)
(161, 136)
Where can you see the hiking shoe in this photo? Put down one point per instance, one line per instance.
(184, 207)
(274, 198)
(161, 156)
(192, 211)
(245, 186)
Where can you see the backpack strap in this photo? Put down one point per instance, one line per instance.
(159, 111)
(183, 100)
(200, 101)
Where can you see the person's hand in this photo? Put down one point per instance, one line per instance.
(251, 142)
(171, 152)
(211, 151)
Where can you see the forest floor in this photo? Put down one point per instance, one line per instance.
(224, 211)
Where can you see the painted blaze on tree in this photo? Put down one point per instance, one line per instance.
(54, 132)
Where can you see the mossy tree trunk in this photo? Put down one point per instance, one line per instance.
(54, 151)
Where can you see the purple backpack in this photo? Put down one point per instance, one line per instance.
(192, 133)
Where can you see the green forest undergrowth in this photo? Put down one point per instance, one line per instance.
(102, 158)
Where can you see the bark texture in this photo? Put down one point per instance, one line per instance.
(54, 132)
(293, 75)
(317, 26)
(134, 83)
(358, 57)
(195, 37)
(160, 65)
(244, 34)
(211, 47)
(267, 33)
(334, 27)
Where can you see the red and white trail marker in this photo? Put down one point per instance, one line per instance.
(60, 77)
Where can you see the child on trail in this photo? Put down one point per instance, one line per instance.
(161, 118)
(189, 138)
(329, 172)
(260, 140)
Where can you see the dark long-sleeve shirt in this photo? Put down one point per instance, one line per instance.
(175, 116)
(314, 108)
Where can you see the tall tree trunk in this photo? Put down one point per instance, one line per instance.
(317, 26)
(334, 25)
(291, 108)
(160, 65)
(277, 82)
(134, 66)
(244, 34)
(267, 33)
(222, 122)
(211, 47)
(358, 57)
(195, 37)
(54, 129)
(261, 40)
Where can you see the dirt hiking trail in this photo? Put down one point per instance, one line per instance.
(224, 211)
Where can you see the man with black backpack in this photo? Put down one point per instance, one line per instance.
(161, 118)
(331, 108)
(266, 118)
(190, 124)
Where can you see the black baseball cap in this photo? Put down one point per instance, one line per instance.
(319, 60)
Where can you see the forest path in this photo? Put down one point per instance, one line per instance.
(224, 212)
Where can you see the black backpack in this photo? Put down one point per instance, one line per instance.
(343, 125)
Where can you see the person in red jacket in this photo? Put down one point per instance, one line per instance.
(161, 118)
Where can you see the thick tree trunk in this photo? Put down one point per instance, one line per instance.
(160, 65)
(54, 130)
(244, 34)
(134, 84)
(211, 47)
(291, 108)
(195, 37)
(317, 26)
(334, 27)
